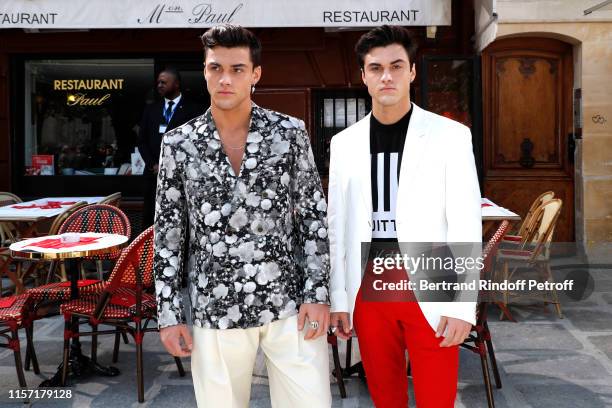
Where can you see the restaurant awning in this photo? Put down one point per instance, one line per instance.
(92, 14)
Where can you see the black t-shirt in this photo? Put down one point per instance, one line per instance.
(386, 148)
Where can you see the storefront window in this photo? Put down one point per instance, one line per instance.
(82, 116)
(449, 87)
(335, 110)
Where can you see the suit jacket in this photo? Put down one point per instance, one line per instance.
(149, 138)
(438, 200)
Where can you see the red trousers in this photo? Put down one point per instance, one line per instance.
(385, 330)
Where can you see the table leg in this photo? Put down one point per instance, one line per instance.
(79, 364)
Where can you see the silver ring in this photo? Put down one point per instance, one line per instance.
(314, 325)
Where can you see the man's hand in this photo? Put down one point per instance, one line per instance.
(457, 330)
(171, 339)
(315, 313)
(340, 320)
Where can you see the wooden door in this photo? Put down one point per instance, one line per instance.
(527, 114)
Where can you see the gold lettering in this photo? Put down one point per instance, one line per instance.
(87, 84)
(81, 99)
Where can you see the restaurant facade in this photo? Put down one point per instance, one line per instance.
(74, 80)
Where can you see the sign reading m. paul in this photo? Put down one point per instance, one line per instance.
(68, 14)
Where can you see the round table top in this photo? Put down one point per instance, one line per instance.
(95, 243)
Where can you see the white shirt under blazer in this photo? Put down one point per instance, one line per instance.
(438, 200)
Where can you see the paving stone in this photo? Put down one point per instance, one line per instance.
(603, 343)
(591, 320)
(566, 395)
(174, 396)
(552, 365)
(545, 336)
(474, 396)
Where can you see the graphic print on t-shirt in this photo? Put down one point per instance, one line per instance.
(383, 205)
(386, 149)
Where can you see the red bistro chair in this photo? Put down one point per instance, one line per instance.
(123, 304)
(14, 315)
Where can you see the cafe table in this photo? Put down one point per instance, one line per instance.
(28, 214)
(492, 214)
(53, 248)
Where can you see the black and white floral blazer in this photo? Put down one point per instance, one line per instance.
(258, 243)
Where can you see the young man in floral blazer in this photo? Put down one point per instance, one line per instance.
(244, 179)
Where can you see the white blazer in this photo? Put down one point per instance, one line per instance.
(438, 200)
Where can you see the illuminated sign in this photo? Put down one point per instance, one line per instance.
(93, 84)
(87, 84)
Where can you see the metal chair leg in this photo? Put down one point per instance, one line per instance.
(179, 366)
(17, 355)
(139, 371)
(30, 349)
(338, 370)
(67, 329)
(491, 351)
(349, 346)
(485, 371)
(94, 343)
(100, 269)
(116, 347)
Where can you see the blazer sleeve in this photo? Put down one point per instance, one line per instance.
(336, 216)
(170, 233)
(464, 219)
(310, 212)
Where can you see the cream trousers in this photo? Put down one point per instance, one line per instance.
(222, 364)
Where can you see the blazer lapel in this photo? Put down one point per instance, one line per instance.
(416, 141)
(363, 161)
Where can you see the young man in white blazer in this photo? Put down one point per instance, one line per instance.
(401, 174)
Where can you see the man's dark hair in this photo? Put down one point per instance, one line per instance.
(172, 71)
(230, 36)
(383, 36)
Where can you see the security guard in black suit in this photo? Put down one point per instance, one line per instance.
(158, 118)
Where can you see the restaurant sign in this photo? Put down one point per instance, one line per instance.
(69, 14)
(77, 96)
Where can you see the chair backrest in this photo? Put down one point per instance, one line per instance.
(7, 198)
(135, 265)
(134, 269)
(8, 231)
(490, 249)
(97, 218)
(537, 203)
(540, 236)
(113, 199)
(59, 220)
